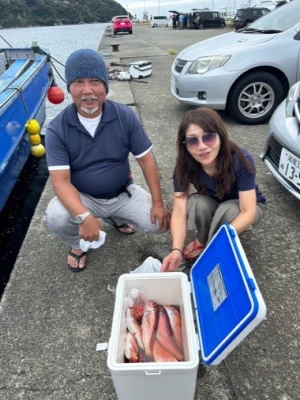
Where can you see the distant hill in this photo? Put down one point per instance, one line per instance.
(24, 13)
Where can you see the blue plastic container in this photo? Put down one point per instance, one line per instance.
(227, 300)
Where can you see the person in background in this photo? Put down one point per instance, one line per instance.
(223, 176)
(190, 21)
(181, 21)
(174, 21)
(88, 145)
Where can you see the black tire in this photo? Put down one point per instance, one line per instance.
(201, 26)
(130, 32)
(115, 32)
(253, 108)
(154, 26)
(223, 26)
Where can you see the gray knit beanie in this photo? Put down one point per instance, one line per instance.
(85, 63)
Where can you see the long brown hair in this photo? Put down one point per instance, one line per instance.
(187, 169)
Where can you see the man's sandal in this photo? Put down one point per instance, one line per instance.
(77, 258)
(119, 227)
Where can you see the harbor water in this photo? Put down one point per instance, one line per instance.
(15, 217)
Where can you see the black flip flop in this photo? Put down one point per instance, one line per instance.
(77, 258)
(119, 227)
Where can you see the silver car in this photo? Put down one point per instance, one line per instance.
(282, 148)
(247, 72)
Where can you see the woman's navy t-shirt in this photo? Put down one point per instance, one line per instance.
(245, 180)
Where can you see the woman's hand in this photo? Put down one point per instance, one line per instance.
(172, 261)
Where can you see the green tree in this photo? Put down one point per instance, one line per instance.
(22, 13)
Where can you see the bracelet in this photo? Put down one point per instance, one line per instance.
(179, 250)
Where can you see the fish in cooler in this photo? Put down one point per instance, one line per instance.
(165, 336)
(175, 321)
(149, 328)
(131, 348)
(158, 335)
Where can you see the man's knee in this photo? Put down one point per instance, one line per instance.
(56, 216)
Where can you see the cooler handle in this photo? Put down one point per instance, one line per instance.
(152, 372)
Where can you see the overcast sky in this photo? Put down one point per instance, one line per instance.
(161, 7)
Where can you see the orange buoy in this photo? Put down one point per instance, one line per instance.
(55, 94)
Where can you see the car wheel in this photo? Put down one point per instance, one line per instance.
(115, 32)
(254, 98)
(130, 32)
(223, 25)
(201, 26)
(154, 25)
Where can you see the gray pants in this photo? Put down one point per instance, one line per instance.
(134, 210)
(206, 215)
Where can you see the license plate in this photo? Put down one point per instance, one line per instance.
(289, 166)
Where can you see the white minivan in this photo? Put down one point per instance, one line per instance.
(159, 20)
(247, 72)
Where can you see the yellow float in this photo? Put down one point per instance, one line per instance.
(35, 139)
(33, 127)
(38, 151)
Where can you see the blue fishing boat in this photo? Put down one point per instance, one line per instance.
(25, 78)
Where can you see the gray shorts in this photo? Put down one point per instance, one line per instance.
(134, 210)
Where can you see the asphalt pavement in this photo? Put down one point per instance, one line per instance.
(52, 319)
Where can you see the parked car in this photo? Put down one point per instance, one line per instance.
(244, 16)
(208, 19)
(247, 72)
(282, 147)
(159, 21)
(121, 23)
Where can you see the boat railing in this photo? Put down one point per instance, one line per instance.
(13, 73)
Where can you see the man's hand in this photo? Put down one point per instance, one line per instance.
(161, 215)
(89, 229)
(171, 262)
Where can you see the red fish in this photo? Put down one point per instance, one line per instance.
(160, 354)
(131, 348)
(175, 321)
(149, 327)
(134, 327)
(165, 334)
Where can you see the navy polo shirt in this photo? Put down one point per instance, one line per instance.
(99, 165)
(244, 181)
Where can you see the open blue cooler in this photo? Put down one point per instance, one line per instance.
(227, 305)
(228, 302)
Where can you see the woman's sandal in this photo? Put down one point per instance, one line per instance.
(193, 250)
(77, 258)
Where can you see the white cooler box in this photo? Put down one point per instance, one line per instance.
(140, 69)
(227, 305)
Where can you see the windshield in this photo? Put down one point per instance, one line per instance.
(280, 19)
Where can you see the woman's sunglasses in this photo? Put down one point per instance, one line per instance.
(209, 139)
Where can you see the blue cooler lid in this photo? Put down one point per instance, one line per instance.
(228, 303)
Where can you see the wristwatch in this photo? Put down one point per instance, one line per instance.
(81, 217)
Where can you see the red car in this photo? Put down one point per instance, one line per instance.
(121, 23)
